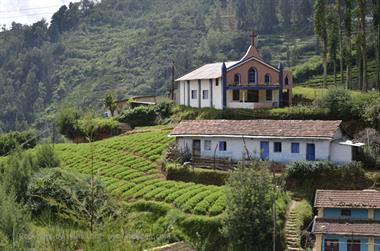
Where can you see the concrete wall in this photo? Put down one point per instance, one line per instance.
(184, 93)
(236, 150)
(341, 153)
(335, 213)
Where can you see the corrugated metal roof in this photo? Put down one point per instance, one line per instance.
(207, 71)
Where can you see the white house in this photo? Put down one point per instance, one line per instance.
(247, 83)
(276, 140)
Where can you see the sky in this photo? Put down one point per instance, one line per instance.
(28, 11)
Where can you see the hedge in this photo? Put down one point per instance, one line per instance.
(9, 141)
(197, 175)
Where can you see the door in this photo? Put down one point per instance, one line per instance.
(353, 245)
(310, 152)
(196, 147)
(264, 150)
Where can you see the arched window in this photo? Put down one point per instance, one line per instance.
(237, 78)
(252, 76)
(286, 80)
(267, 79)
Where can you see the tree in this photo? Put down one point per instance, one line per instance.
(348, 51)
(340, 39)
(67, 121)
(320, 28)
(110, 103)
(286, 12)
(250, 195)
(376, 27)
(333, 38)
(362, 37)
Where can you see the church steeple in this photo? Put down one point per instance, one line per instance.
(252, 50)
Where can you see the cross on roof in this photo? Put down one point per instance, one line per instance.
(253, 38)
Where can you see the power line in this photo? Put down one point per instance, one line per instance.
(36, 8)
(27, 15)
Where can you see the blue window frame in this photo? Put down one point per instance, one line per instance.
(267, 79)
(222, 146)
(205, 94)
(193, 94)
(295, 147)
(277, 147)
(237, 79)
(252, 76)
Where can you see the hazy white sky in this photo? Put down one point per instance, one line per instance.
(28, 11)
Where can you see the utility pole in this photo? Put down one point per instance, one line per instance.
(274, 211)
(172, 89)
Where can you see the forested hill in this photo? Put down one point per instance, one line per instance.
(127, 46)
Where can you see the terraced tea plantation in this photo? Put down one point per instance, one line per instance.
(128, 167)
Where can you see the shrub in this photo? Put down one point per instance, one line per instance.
(339, 103)
(9, 141)
(139, 116)
(46, 156)
(309, 176)
(14, 219)
(67, 121)
(16, 172)
(197, 175)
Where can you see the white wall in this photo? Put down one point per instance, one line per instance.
(341, 154)
(205, 85)
(236, 151)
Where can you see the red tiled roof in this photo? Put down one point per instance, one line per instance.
(347, 199)
(347, 227)
(260, 127)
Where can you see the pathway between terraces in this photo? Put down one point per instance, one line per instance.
(292, 232)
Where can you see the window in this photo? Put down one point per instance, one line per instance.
(252, 96)
(277, 147)
(252, 76)
(267, 79)
(237, 78)
(222, 146)
(353, 245)
(331, 245)
(207, 145)
(295, 147)
(205, 94)
(286, 80)
(269, 95)
(217, 82)
(235, 95)
(193, 94)
(345, 212)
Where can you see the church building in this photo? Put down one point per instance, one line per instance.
(248, 83)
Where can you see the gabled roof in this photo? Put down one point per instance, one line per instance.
(346, 227)
(259, 128)
(207, 71)
(347, 199)
(252, 59)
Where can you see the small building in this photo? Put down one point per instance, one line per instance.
(247, 83)
(347, 220)
(276, 140)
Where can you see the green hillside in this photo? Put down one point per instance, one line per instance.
(128, 167)
(127, 47)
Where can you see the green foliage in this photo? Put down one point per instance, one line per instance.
(46, 156)
(139, 116)
(67, 121)
(110, 102)
(67, 197)
(14, 219)
(197, 175)
(16, 172)
(309, 176)
(339, 103)
(248, 221)
(9, 141)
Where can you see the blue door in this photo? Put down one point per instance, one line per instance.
(310, 152)
(264, 150)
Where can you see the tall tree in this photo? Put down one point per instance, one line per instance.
(333, 37)
(376, 27)
(286, 12)
(348, 50)
(110, 102)
(320, 28)
(361, 12)
(340, 39)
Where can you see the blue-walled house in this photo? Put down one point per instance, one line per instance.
(347, 220)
